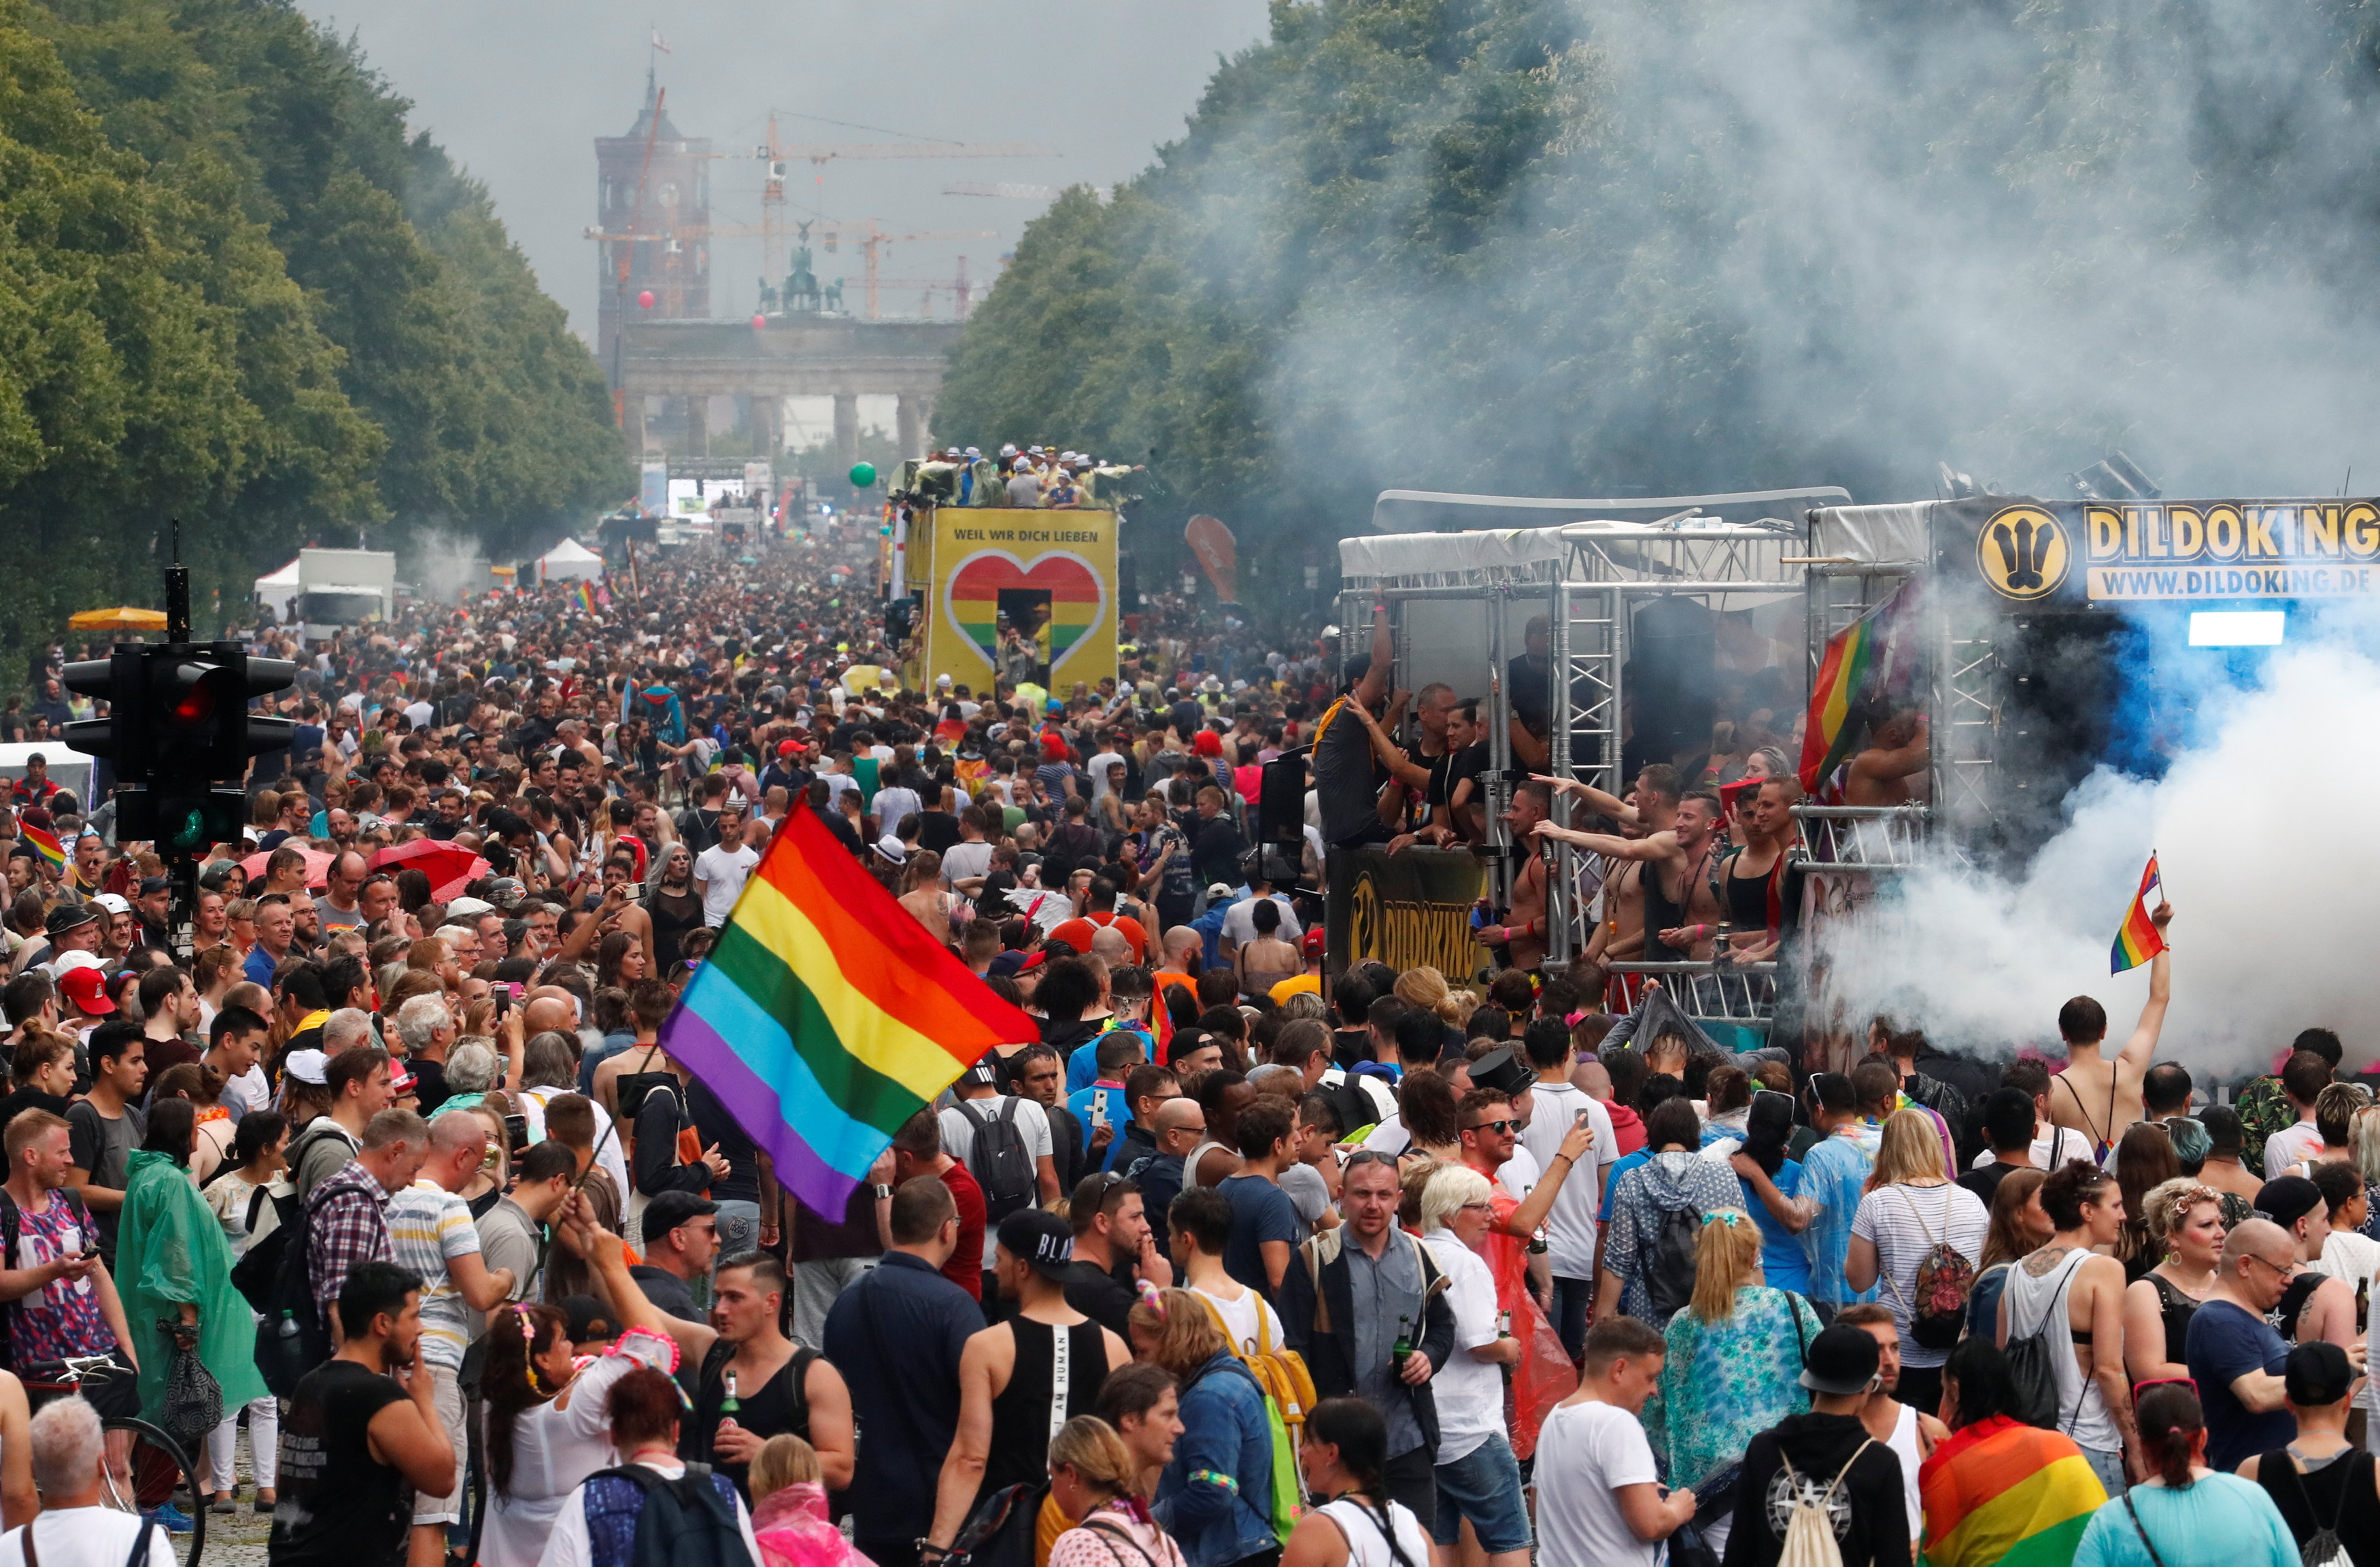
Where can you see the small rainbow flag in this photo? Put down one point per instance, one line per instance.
(46, 845)
(585, 594)
(2138, 939)
(1869, 667)
(826, 1015)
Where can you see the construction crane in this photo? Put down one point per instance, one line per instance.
(776, 159)
(1017, 192)
(957, 287)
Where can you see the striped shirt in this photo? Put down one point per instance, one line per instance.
(428, 1227)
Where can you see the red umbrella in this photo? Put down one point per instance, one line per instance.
(317, 866)
(449, 867)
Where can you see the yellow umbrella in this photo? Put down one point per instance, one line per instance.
(119, 619)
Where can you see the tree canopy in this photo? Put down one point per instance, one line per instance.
(240, 294)
(1640, 248)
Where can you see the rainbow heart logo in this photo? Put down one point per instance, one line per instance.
(1078, 598)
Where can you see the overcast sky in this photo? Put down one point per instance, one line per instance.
(518, 89)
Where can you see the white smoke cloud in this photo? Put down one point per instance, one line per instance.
(443, 566)
(2259, 830)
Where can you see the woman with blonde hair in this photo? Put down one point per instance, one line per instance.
(1091, 1479)
(1909, 1207)
(789, 1514)
(1425, 987)
(2184, 1221)
(1734, 1363)
(1478, 1477)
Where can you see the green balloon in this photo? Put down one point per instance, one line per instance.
(862, 475)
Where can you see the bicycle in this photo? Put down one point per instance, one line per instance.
(151, 1447)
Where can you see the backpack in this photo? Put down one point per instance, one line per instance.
(1809, 1532)
(685, 1522)
(275, 1275)
(1669, 1262)
(999, 1160)
(11, 1225)
(2031, 1373)
(1945, 1279)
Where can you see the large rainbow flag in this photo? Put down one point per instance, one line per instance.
(1870, 666)
(2138, 939)
(826, 1015)
(2002, 1492)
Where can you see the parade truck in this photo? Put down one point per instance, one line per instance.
(962, 577)
(323, 591)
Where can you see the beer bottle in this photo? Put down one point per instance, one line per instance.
(1404, 1346)
(2362, 1305)
(730, 1406)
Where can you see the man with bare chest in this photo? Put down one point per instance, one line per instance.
(1524, 931)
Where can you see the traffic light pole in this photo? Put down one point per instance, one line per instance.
(178, 731)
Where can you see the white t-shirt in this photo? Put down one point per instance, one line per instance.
(1240, 1319)
(1032, 1125)
(893, 805)
(1470, 1392)
(1584, 1452)
(1098, 768)
(1906, 1223)
(1389, 1137)
(2289, 1146)
(963, 860)
(2053, 1147)
(722, 872)
(1240, 923)
(1570, 1229)
(99, 1534)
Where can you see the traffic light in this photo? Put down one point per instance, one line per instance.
(178, 727)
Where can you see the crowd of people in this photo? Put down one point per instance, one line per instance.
(1233, 1265)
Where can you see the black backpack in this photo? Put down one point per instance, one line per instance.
(276, 1276)
(1669, 1262)
(685, 1522)
(11, 1226)
(2032, 1374)
(999, 1160)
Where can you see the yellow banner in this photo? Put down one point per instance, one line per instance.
(1002, 586)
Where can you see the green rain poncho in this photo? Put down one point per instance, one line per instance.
(169, 1250)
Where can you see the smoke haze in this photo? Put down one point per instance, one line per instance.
(2256, 828)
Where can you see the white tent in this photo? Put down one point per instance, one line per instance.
(276, 590)
(569, 562)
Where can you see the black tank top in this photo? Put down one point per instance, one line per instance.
(1661, 914)
(2283, 1317)
(349, 1506)
(1028, 1412)
(2337, 1496)
(780, 1405)
(673, 913)
(1747, 899)
(2176, 1309)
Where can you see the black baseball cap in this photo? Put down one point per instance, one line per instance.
(2317, 1374)
(69, 917)
(1039, 1237)
(669, 1209)
(2285, 1199)
(1840, 1361)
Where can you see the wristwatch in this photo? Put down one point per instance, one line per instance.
(881, 1192)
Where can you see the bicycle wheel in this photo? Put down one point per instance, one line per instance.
(162, 1473)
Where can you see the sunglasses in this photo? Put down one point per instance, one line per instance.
(1368, 1156)
(2139, 1388)
(1492, 1126)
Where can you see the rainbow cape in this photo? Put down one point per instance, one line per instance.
(45, 844)
(1871, 667)
(2137, 940)
(2002, 1492)
(826, 1015)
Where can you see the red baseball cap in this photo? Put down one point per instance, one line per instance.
(1312, 944)
(87, 989)
(785, 748)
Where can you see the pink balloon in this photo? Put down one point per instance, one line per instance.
(646, 298)
(759, 321)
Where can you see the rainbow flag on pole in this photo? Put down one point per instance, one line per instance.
(1870, 668)
(46, 845)
(826, 1015)
(2138, 940)
(2003, 1494)
(585, 594)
